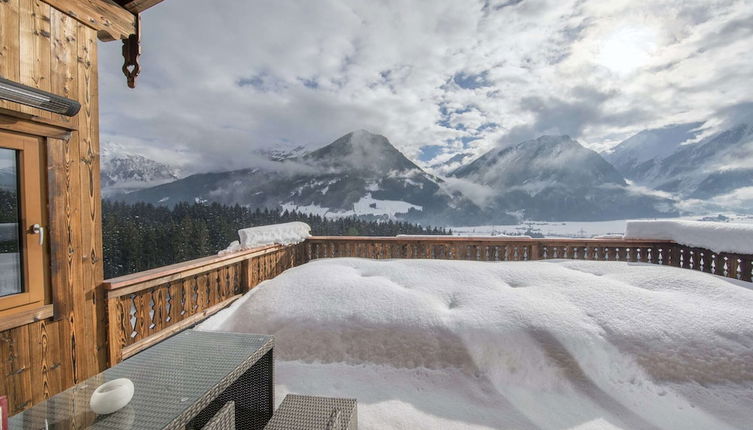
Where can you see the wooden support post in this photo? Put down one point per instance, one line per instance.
(746, 261)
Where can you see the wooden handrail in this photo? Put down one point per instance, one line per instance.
(665, 252)
(453, 239)
(148, 278)
(145, 308)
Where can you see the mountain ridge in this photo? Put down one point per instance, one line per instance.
(358, 174)
(556, 178)
(363, 174)
(708, 169)
(122, 171)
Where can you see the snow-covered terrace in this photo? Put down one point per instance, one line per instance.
(525, 333)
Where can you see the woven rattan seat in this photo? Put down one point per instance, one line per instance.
(297, 412)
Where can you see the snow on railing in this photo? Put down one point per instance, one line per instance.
(718, 237)
(276, 234)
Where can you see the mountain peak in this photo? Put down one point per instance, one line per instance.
(362, 132)
(553, 138)
(549, 158)
(649, 146)
(123, 171)
(365, 138)
(361, 150)
(555, 177)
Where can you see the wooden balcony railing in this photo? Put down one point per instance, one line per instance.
(146, 307)
(738, 266)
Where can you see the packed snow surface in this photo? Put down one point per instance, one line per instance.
(716, 236)
(427, 344)
(280, 234)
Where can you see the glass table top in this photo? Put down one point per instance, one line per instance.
(168, 378)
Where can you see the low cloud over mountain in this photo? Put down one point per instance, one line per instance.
(362, 174)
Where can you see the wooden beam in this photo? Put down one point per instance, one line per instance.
(181, 270)
(33, 127)
(107, 17)
(52, 122)
(138, 6)
(25, 317)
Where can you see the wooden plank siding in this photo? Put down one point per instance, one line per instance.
(44, 47)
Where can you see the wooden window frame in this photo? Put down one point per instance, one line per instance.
(33, 191)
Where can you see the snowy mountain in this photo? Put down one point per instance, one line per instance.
(358, 174)
(556, 178)
(641, 151)
(714, 167)
(124, 172)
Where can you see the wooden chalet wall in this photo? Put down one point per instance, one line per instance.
(47, 48)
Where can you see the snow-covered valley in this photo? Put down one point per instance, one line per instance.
(579, 229)
(516, 345)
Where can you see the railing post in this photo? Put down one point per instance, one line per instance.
(115, 332)
(245, 275)
(745, 267)
(675, 255)
(535, 251)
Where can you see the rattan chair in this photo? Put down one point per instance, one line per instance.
(297, 412)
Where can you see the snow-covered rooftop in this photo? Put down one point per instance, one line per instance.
(541, 345)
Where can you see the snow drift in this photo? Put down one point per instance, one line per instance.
(516, 345)
(716, 236)
(276, 234)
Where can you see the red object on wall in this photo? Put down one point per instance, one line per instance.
(3, 413)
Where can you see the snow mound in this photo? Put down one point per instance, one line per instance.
(276, 234)
(716, 236)
(522, 345)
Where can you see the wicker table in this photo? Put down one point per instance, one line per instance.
(179, 383)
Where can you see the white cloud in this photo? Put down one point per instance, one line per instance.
(421, 73)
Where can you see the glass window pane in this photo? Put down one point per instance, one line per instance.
(11, 281)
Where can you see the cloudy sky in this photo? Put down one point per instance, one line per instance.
(223, 79)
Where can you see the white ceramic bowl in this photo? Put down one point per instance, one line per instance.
(111, 396)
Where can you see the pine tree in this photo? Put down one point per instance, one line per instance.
(142, 236)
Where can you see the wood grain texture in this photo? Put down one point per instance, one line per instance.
(181, 270)
(47, 49)
(107, 18)
(163, 304)
(34, 46)
(45, 125)
(90, 198)
(10, 39)
(24, 318)
(63, 61)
